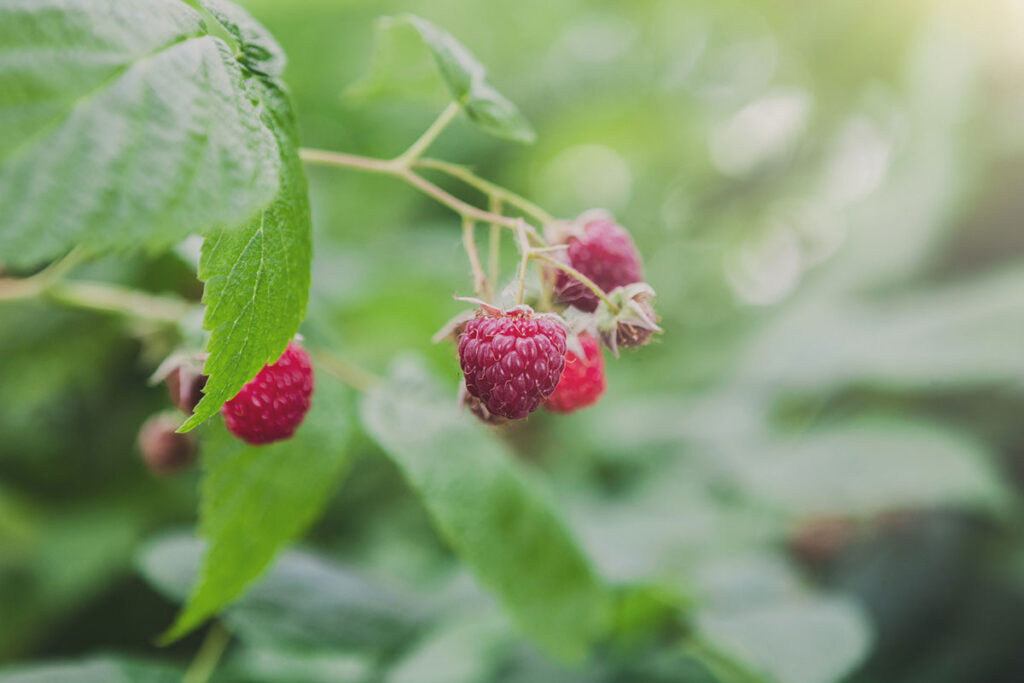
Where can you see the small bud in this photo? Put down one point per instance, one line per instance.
(634, 323)
(185, 386)
(182, 371)
(163, 449)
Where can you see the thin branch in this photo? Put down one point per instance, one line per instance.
(406, 158)
(391, 167)
(327, 158)
(480, 285)
(494, 255)
(205, 662)
(524, 249)
(487, 187)
(101, 296)
(23, 288)
(352, 375)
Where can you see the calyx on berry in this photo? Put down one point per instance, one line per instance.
(633, 324)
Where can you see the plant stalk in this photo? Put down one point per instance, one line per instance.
(487, 187)
(481, 287)
(206, 660)
(406, 158)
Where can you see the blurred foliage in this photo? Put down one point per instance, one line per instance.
(819, 465)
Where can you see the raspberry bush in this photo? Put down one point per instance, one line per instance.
(697, 510)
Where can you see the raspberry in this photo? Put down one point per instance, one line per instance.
(605, 253)
(273, 404)
(582, 381)
(512, 360)
(164, 451)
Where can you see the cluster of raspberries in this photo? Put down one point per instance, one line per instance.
(516, 360)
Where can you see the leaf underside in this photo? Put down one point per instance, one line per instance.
(126, 125)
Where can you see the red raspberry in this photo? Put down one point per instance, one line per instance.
(273, 404)
(582, 382)
(605, 253)
(512, 360)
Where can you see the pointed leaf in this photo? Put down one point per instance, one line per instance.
(257, 499)
(498, 522)
(397, 67)
(257, 276)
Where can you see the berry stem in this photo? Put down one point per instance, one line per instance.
(23, 288)
(205, 662)
(406, 158)
(390, 167)
(569, 270)
(352, 375)
(487, 187)
(494, 255)
(100, 296)
(524, 249)
(480, 285)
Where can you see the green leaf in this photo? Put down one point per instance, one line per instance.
(257, 499)
(490, 513)
(871, 466)
(962, 334)
(98, 670)
(396, 66)
(305, 601)
(257, 276)
(760, 617)
(126, 124)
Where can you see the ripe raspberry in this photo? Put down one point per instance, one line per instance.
(273, 404)
(582, 381)
(164, 451)
(512, 360)
(604, 252)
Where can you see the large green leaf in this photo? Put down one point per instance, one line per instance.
(758, 615)
(870, 466)
(257, 276)
(964, 333)
(304, 602)
(257, 499)
(98, 670)
(397, 67)
(126, 124)
(496, 519)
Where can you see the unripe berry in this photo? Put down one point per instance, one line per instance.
(274, 403)
(512, 360)
(583, 380)
(164, 451)
(185, 387)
